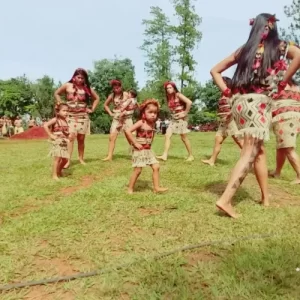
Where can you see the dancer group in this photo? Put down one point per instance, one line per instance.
(261, 96)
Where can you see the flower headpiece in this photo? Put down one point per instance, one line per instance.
(115, 82)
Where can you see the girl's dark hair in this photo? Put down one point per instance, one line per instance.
(245, 57)
(86, 85)
(228, 81)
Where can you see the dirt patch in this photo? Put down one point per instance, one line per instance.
(86, 182)
(42, 293)
(60, 266)
(148, 211)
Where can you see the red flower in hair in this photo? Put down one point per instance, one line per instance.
(272, 19)
(169, 82)
(280, 65)
(251, 21)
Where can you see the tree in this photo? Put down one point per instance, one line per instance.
(43, 92)
(157, 45)
(209, 96)
(188, 37)
(104, 71)
(16, 97)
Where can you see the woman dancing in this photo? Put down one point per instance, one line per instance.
(251, 103)
(227, 127)
(78, 92)
(120, 121)
(286, 126)
(179, 106)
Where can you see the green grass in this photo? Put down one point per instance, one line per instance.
(88, 222)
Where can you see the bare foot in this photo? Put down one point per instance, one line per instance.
(265, 202)
(82, 162)
(273, 174)
(107, 159)
(190, 158)
(227, 209)
(160, 190)
(130, 191)
(296, 181)
(208, 162)
(55, 178)
(162, 157)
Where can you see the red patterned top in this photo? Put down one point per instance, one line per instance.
(145, 137)
(77, 104)
(176, 105)
(60, 128)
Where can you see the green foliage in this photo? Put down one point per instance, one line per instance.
(16, 96)
(188, 36)
(104, 71)
(43, 91)
(209, 96)
(157, 45)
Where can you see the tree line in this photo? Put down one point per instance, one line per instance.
(168, 49)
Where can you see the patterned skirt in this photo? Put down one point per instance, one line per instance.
(120, 124)
(226, 129)
(286, 122)
(78, 124)
(252, 115)
(59, 148)
(143, 158)
(178, 127)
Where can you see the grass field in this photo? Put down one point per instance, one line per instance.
(87, 222)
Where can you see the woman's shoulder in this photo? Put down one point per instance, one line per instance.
(283, 46)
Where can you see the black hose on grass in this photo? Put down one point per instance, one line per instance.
(124, 266)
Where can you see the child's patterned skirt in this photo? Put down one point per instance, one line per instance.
(143, 158)
(59, 148)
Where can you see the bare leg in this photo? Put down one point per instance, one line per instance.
(135, 175)
(250, 150)
(111, 146)
(167, 147)
(280, 160)
(295, 163)
(61, 165)
(239, 142)
(217, 149)
(188, 147)
(70, 149)
(156, 187)
(80, 141)
(55, 165)
(261, 173)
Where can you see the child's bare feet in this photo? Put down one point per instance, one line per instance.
(162, 157)
(265, 202)
(273, 174)
(129, 191)
(296, 181)
(190, 158)
(227, 209)
(82, 161)
(208, 162)
(160, 190)
(108, 158)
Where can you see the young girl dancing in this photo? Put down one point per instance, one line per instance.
(252, 102)
(142, 154)
(227, 126)
(58, 131)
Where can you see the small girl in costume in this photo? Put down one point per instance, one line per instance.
(142, 154)
(58, 131)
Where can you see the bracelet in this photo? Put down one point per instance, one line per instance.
(227, 93)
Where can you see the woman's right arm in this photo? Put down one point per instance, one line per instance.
(58, 92)
(106, 105)
(217, 70)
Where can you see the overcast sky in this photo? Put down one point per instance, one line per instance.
(55, 37)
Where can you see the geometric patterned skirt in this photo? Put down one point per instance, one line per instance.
(143, 158)
(226, 129)
(120, 124)
(177, 127)
(59, 148)
(252, 115)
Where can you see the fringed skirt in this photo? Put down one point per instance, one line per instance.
(59, 148)
(120, 124)
(252, 115)
(226, 129)
(286, 122)
(143, 158)
(178, 127)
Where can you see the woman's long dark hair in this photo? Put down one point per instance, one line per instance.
(245, 57)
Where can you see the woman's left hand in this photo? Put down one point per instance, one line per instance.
(89, 111)
(181, 115)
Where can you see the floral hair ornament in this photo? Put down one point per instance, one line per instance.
(169, 83)
(271, 21)
(115, 82)
(251, 21)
